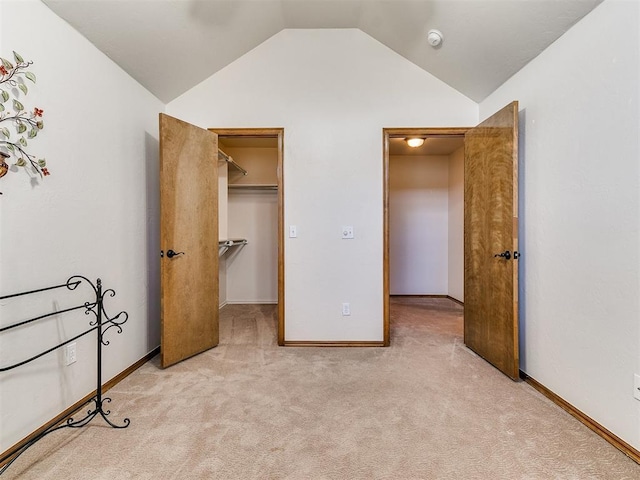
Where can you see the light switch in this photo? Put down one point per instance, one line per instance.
(347, 232)
(293, 231)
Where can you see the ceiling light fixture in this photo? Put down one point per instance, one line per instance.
(414, 142)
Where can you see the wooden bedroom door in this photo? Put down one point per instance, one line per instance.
(188, 240)
(491, 240)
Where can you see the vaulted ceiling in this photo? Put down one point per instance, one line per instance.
(170, 46)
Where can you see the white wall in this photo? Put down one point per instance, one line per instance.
(580, 215)
(333, 91)
(418, 224)
(223, 227)
(96, 215)
(456, 225)
(252, 270)
(223, 182)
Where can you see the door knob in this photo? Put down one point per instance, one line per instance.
(171, 253)
(506, 255)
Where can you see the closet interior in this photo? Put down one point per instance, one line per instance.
(426, 217)
(248, 219)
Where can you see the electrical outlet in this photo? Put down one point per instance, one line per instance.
(293, 231)
(636, 386)
(346, 309)
(70, 353)
(347, 232)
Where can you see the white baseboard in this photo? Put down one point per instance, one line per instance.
(223, 304)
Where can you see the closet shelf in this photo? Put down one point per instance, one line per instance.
(224, 245)
(252, 186)
(227, 158)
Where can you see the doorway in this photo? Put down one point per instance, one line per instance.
(490, 254)
(418, 191)
(251, 218)
(190, 205)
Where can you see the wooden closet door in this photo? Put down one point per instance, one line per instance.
(189, 224)
(491, 229)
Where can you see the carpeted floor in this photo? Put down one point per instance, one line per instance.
(424, 408)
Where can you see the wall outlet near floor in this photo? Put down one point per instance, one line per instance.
(346, 309)
(636, 386)
(70, 353)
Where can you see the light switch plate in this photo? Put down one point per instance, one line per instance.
(293, 231)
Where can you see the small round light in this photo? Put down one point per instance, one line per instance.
(414, 142)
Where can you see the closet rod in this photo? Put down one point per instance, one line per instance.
(232, 242)
(227, 158)
(224, 245)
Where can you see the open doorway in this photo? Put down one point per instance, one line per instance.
(426, 217)
(426, 232)
(490, 254)
(250, 206)
(424, 223)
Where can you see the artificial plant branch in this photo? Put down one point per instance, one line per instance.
(25, 122)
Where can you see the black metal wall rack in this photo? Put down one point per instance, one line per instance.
(101, 324)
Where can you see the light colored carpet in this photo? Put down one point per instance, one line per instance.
(424, 408)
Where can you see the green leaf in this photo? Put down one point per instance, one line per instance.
(32, 133)
(23, 142)
(1, 107)
(21, 162)
(23, 87)
(42, 163)
(18, 58)
(10, 147)
(7, 64)
(17, 106)
(21, 128)
(40, 125)
(5, 132)
(5, 95)
(30, 76)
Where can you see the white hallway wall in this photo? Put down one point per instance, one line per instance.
(580, 211)
(418, 225)
(96, 215)
(456, 225)
(333, 91)
(426, 225)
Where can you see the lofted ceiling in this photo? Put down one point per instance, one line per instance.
(170, 46)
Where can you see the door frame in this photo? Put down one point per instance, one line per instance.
(388, 133)
(270, 132)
